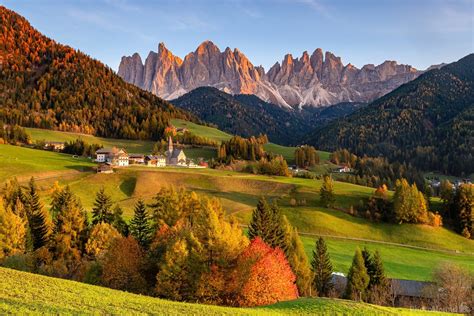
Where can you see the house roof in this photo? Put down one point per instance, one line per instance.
(136, 156)
(113, 150)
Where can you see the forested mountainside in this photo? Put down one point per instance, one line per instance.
(48, 85)
(428, 122)
(247, 115)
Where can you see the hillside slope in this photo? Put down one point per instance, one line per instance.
(246, 114)
(48, 85)
(25, 293)
(428, 122)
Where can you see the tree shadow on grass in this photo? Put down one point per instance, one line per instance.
(80, 168)
(128, 186)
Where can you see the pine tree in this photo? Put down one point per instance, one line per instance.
(140, 227)
(327, 192)
(38, 220)
(322, 269)
(102, 210)
(67, 243)
(267, 223)
(463, 205)
(357, 278)
(119, 223)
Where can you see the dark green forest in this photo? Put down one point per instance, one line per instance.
(428, 123)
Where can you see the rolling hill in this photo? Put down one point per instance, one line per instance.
(247, 115)
(26, 293)
(48, 85)
(428, 122)
(408, 251)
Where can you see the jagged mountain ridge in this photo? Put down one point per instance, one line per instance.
(316, 80)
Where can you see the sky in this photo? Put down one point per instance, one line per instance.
(416, 32)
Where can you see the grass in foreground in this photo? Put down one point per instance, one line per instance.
(25, 293)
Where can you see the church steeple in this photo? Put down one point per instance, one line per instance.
(170, 145)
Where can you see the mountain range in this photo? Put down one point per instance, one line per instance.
(310, 80)
(428, 122)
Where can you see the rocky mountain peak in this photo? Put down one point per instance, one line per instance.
(318, 79)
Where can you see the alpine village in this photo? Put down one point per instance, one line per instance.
(137, 182)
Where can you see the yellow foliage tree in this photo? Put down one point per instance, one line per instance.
(100, 239)
(12, 232)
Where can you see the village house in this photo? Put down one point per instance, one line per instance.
(113, 156)
(105, 168)
(344, 169)
(136, 159)
(155, 161)
(55, 146)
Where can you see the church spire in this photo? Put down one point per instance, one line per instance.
(170, 144)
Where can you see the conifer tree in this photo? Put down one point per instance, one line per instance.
(322, 269)
(463, 205)
(140, 227)
(119, 223)
(67, 244)
(357, 278)
(38, 221)
(377, 272)
(260, 224)
(327, 192)
(102, 210)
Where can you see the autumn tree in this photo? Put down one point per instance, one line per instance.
(306, 156)
(357, 278)
(12, 232)
(322, 269)
(326, 192)
(122, 265)
(263, 276)
(140, 227)
(101, 237)
(102, 210)
(463, 209)
(68, 239)
(453, 287)
(409, 203)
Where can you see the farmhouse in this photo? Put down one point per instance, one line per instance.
(113, 156)
(104, 168)
(136, 159)
(55, 146)
(155, 161)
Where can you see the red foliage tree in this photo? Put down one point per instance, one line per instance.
(263, 276)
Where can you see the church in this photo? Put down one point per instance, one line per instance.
(174, 157)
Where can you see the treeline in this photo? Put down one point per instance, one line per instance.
(13, 134)
(249, 155)
(458, 207)
(239, 148)
(52, 86)
(306, 156)
(374, 172)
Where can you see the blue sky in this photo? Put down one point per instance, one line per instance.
(416, 32)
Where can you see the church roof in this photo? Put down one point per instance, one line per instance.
(176, 153)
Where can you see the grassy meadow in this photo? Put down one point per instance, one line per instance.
(26, 293)
(239, 193)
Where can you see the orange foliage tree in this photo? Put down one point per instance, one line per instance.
(263, 276)
(122, 265)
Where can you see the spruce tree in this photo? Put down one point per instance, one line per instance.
(322, 269)
(377, 272)
(37, 217)
(357, 278)
(463, 205)
(140, 227)
(327, 197)
(119, 223)
(102, 210)
(260, 224)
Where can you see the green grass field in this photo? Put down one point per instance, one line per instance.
(239, 193)
(17, 161)
(25, 293)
